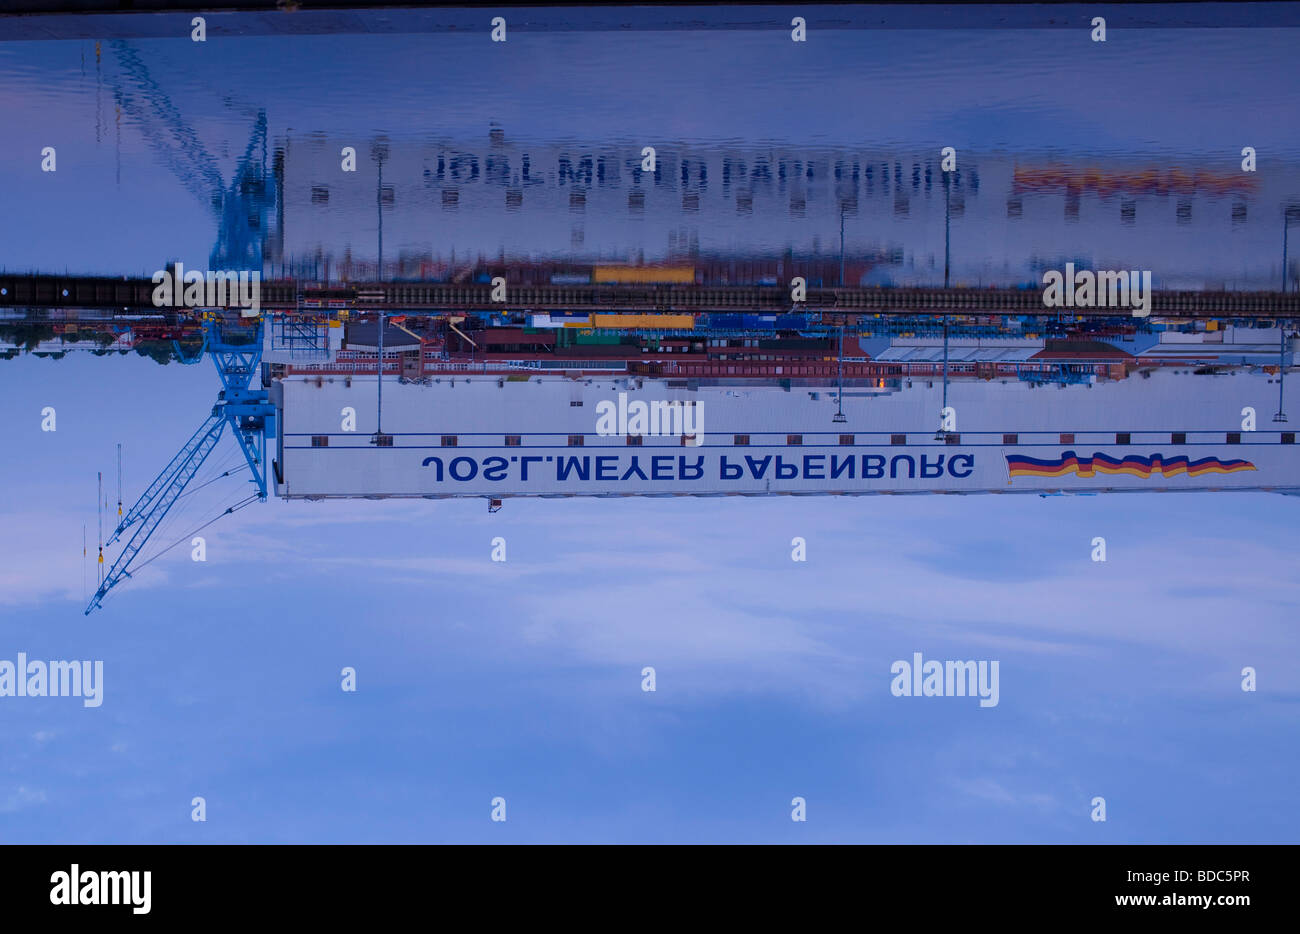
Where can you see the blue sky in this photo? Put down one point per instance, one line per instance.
(522, 679)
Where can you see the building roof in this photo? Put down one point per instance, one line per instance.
(486, 337)
(930, 350)
(364, 335)
(1082, 350)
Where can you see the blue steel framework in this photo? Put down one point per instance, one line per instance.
(251, 417)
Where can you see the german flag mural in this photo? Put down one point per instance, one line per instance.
(1135, 465)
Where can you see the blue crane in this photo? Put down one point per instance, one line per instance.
(241, 209)
(251, 417)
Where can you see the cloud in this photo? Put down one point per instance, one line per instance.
(21, 798)
(708, 587)
(988, 789)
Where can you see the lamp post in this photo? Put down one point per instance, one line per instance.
(379, 414)
(379, 152)
(839, 418)
(942, 434)
(1280, 416)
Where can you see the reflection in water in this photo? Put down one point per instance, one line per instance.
(244, 158)
(1008, 217)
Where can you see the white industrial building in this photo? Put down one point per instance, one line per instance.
(538, 436)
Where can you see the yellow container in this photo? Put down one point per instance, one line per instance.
(684, 275)
(644, 322)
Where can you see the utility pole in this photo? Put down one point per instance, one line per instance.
(942, 433)
(379, 415)
(945, 361)
(1280, 417)
(839, 418)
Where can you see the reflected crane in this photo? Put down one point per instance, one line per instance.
(251, 417)
(241, 209)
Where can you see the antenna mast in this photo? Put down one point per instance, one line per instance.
(99, 503)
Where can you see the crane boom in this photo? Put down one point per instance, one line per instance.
(251, 417)
(150, 495)
(182, 470)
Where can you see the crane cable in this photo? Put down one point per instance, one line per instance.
(170, 520)
(178, 516)
(232, 470)
(232, 509)
(232, 466)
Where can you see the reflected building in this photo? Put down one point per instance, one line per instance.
(445, 202)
